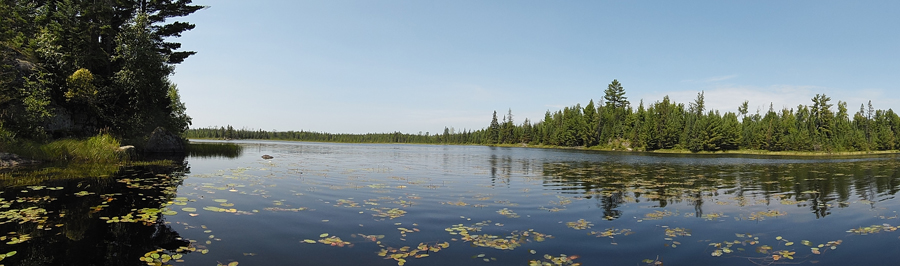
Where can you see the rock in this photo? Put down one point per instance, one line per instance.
(12, 160)
(127, 151)
(267, 157)
(162, 141)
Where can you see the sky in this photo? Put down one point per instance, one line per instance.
(420, 66)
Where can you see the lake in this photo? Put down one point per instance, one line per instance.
(389, 204)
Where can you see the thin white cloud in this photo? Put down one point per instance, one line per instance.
(710, 79)
(719, 78)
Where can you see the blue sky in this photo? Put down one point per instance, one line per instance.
(411, 66)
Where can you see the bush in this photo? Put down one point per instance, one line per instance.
(5, 137)
(101, 148)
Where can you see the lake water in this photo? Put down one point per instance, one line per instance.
(385, 204)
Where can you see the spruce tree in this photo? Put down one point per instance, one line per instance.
(494, 130)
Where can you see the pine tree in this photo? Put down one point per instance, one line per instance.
(615, 95)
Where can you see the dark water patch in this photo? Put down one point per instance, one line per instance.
(214, 150)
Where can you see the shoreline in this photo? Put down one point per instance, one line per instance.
(597, 148)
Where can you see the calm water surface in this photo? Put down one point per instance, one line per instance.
(381, 204)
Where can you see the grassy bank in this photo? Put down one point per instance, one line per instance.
(102, 148)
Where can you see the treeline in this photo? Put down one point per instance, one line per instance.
(449, 136)
(76, 68)
(615, 123)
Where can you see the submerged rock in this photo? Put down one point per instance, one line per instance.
(163, 141)
(267, 157)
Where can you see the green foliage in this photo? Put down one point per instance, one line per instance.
(615, 95)
(461, 137)
(6, 136)
(97, 149)
(81, 86)
(494, 130)
(73, 68)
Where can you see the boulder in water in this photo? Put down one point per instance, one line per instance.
(163, 141)
(12, 160)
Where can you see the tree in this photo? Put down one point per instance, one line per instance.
(494, 130)
(695, 125)
(822, 119)
(698, 105)
(589, 132)
(666, 122)
(615, 95)
(731, 132)
(527, 131)
(743, 109)
(92, 64)
(142, 85)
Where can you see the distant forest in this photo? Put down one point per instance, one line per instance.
(616, 124)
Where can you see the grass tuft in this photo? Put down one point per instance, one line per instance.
(102, 148)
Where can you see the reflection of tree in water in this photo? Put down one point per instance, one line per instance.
(214, 150)
(71, 231)
(501, 168)
(818, 186)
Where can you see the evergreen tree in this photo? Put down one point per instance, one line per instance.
(615, 95)
(494, 130)
(823, 120)
(527, 131)
(589, 131)
(742, 110)
(731, 132)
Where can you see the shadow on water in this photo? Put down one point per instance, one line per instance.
(214, 150)
(89, 214)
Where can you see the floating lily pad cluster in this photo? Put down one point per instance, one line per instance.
(158, 257)
(561, 260)
(147, 216)
(769, 254)
(611, 232)
(421, 251)
(333, 241)
(24, 215)
(508, 213)
(762, 215)
(873, 229)
(581, 224)
(15, 239)
(388, 212)
(7, 255)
